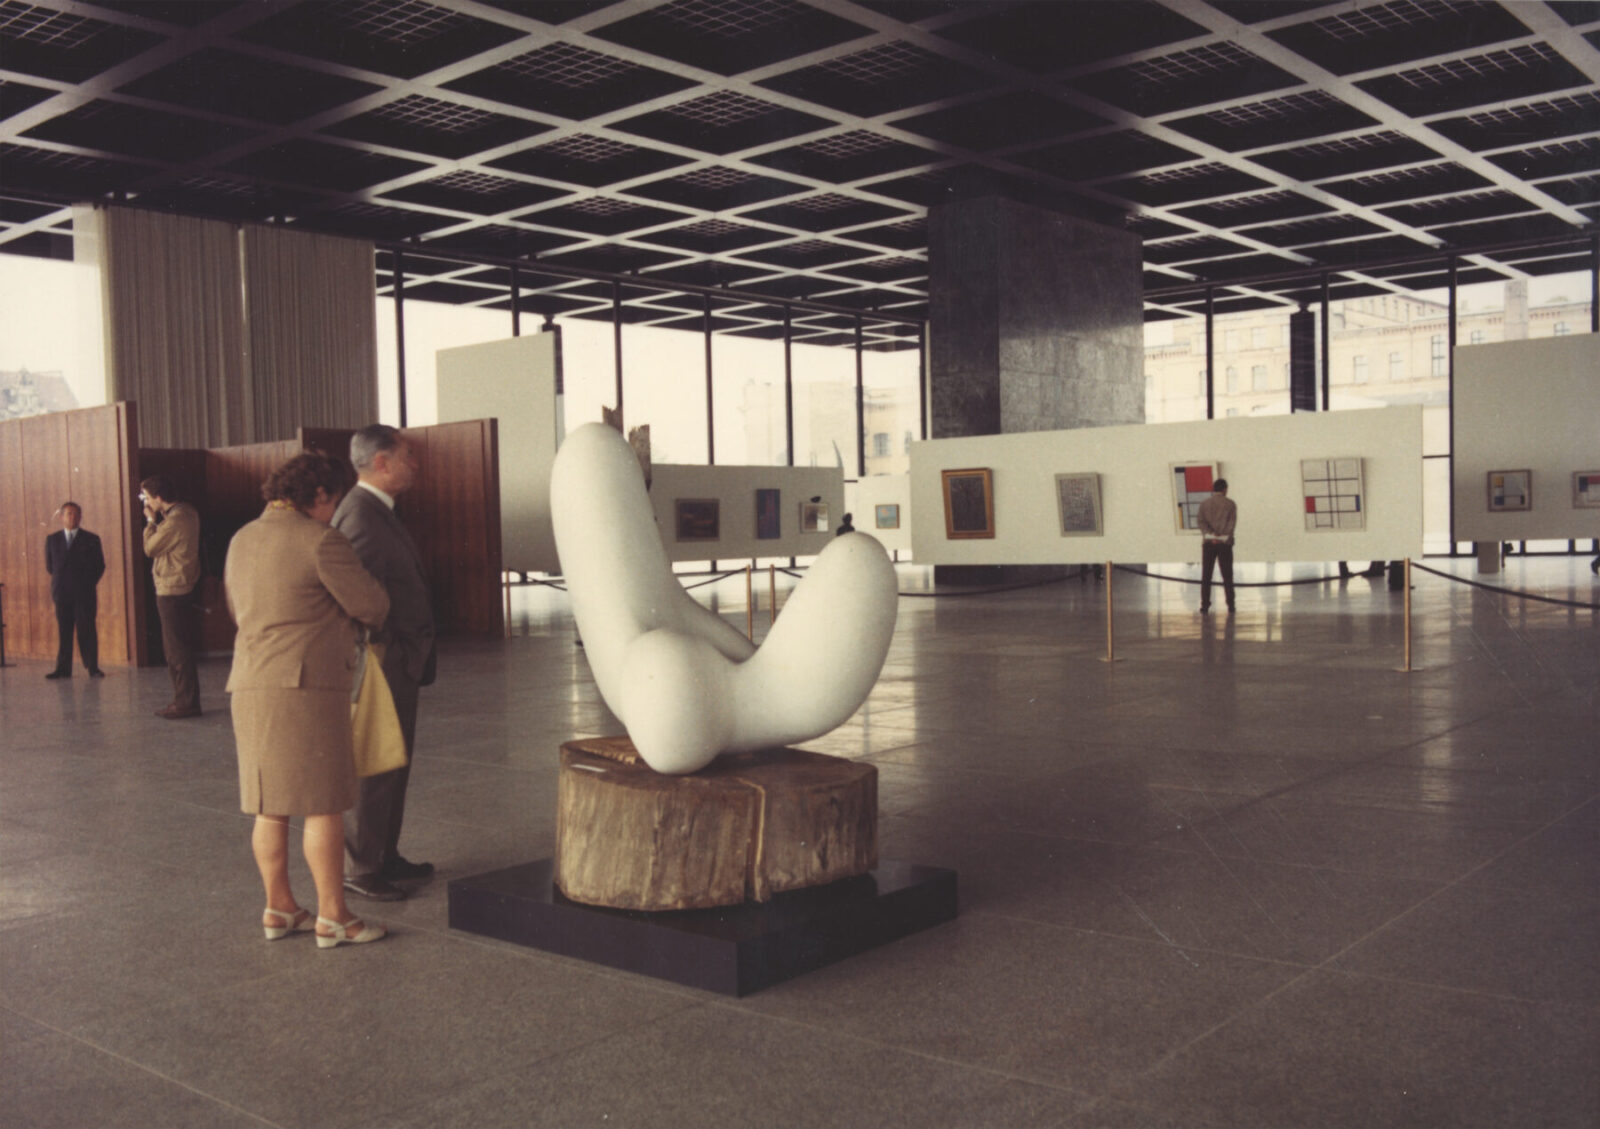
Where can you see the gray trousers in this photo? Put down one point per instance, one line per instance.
(372, 827)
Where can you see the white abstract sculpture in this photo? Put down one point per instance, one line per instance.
(687, 685)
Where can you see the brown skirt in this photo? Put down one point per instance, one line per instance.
(295, 752)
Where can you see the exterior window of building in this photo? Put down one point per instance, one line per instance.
(1258, 337)
(1200, 384)
(1231, 412)
(1232, 381)
(1230, 341)
(1436, 358)
(1284, 341)
(880, 443)
(1561, 329)
(906, 450)
(1359, 372)
(1475, 337)
(1258, 378)
(1397, 366)
(1287, 375)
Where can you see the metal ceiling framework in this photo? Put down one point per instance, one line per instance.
(769, 151)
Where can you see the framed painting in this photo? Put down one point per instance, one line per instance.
(1586, 489)
(769, 525)
(813, 517)
(698, 519)
(1191, 485)
(1334, 494)
(1510, 490)
(887, 515)
(968, 503)
(1078, 504)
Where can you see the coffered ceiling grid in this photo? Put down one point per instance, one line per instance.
(791, 148)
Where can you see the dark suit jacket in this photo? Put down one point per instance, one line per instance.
(76, 570)
(389, 553)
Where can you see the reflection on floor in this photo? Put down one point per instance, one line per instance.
(1248, 875)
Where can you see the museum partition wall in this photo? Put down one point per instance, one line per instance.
(93, 456)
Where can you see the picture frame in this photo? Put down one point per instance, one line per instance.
(1078, 504)
(813, 517)
(1586, 489)
(697, 519)
(1510, 490)
(769, 519)
(1334, 494)
(886, 515)
(1192, 484)
(968, 503)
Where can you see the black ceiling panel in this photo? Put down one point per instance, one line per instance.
(1476, 80)
(1342, 156)
(711, 236)
(1196, 182)
(1365, 250)
(804, 253)
(373, 221)
(64, 46)
(1192, 249)
(724, 121)
(231, 198)
(612, 258)
(844, 157)
(730, 36)
(708, 273)
(322, 165)
(1277, 121)
(1558, 158)
(404, 38)
(898, 268)
(1102, 155)
(246, 86)
(116, 127)
(1575, 190)
(601, 215)
(570, 81)
(1320, 229)
(1507, 230)
(891, 76)
(481, 194)
(1265, 208)
(910, 11)
(24, 211)
(1154, 227)
(1562, 116)
(1456, 209)
(825, 211)
(1015, 118)
(1225, 270)
(908, 235)
(1255, 11)
(184, 13)
(55, 175)
(501, 241)
(1379, 35)
(1051, 37)
(590, 161)
(550, 11)
(434, 126)
(17, 96)
(1212, 72)
(1408, 184)
(714, 188)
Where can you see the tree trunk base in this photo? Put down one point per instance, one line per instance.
(746, 827)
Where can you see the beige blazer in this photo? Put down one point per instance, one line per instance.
(296, 590)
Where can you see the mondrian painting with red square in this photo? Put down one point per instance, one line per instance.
(1335, 497)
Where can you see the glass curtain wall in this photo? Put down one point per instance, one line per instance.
(891, 380)
(824, 363)
(1175, 367)
(664, 372)
(747, 381)
(49, 362)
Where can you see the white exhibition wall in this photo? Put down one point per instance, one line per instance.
(1260, 458)
(863, 496)
(1526, 405)
(514, 381)
(735, 489)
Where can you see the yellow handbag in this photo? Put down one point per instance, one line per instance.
(380, 745)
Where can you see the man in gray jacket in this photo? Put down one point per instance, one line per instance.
(387, 466)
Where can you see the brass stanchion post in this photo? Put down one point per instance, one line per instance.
(1111, 635)
(505, 584)
(1408, 668)
(749, 606)
(772, 594)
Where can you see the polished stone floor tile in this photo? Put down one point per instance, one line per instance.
(1337, 1050)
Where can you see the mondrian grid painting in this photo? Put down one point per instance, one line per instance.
(1334, 495)
(1510, 490)
(1586, 489)
(1191, 485)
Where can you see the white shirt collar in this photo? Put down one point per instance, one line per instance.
(71, 533)
(384, 497)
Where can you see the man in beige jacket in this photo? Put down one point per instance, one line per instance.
(1218, 515)
(172, 542)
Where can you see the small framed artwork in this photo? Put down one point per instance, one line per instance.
(1335, 497)
(813, 517)
(887, 515)
(769, 523)
(968, 503)
(1191, 485)
(1586, 489)
(698, 519)
(1510, 490)
(1078, 503)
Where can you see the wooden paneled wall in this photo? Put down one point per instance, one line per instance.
(89, 456)
(454, 514)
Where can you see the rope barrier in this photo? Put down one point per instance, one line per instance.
(1507, 591)
(1236, 583)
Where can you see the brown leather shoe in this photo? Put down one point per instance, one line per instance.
(174, 713)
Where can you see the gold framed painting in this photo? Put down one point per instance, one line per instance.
(968, 503)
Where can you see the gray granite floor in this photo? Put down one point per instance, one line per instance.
(1249, 875)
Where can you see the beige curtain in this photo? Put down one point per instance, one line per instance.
(310, 331)
(174, 325)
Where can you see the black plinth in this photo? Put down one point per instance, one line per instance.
(734, 950)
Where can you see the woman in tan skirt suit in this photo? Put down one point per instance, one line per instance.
(299, 595)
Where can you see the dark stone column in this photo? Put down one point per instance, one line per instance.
(1036, 324)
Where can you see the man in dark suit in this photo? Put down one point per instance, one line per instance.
(387, 466)
(76, 563)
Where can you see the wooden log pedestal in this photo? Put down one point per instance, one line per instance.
(746, 827)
